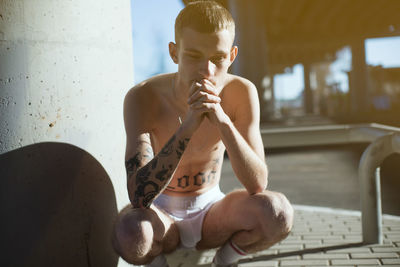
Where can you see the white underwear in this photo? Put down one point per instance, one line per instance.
(189, 212)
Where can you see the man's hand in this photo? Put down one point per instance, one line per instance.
(204, 100)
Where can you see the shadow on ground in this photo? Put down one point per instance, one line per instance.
(301, 252)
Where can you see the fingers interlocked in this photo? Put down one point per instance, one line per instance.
(203, 96)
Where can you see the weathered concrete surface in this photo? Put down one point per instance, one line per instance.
(65, 67)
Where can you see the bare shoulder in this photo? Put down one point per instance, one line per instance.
(148, 91)
(142, 102)
(239, 88)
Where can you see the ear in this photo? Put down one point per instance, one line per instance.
(234, 52)
(173, 52)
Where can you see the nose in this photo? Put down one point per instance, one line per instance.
(207, 69)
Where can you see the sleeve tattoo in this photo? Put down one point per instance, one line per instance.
(152, 174)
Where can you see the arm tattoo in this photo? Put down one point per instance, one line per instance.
(146, 190)
(142, 175)
(150, 151)
(154, 163)
(156, 174)
(133, 164)
(164, 173)
(167, 149)
(181, 147)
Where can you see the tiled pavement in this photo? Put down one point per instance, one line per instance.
(320, 237)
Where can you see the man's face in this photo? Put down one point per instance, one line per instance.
(204, 55)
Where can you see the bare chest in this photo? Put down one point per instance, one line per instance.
(200, 165)
(204, 142)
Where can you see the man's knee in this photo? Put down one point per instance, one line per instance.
(133, 237)
(275, 214)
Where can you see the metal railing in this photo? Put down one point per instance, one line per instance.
(384, 141)
(369, 177)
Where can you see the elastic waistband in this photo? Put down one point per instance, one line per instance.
(199, 201)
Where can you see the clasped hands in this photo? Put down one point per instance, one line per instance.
(204, 101)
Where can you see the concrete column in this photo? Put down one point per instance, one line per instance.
(251, 62)
(65, 67)
(359, 78)
(308, 94)
(271, 108)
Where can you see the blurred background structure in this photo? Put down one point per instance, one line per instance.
(313, 33)
(306, 57)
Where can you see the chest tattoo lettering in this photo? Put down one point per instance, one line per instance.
(183, 181)
(199, 179)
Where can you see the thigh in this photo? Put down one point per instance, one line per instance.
(167, 231)
(221, 221)
(238, 211)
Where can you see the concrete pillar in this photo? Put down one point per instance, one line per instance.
(268, 99)
(359, 91)
(65, 67)
(308, 94)
(251, 61)
(271, 107)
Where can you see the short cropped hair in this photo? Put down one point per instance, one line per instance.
(205, 17)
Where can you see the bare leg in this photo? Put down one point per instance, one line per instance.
(140, 235)
(252, 222)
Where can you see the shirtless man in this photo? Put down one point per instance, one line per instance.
(178, 127)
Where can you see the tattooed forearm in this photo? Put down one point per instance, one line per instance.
(145, 194)
(153, 177)
(150, 152)
(142, 175)
(154, 163)
(138, 160)
(164, 173)
(133, 164)
(168, 148)
(181, 146)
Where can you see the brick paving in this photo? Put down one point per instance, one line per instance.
(320, 237)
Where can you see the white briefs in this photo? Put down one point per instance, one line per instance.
(189, 212)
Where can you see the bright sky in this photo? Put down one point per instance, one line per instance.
(153, 28)
(383, 51)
